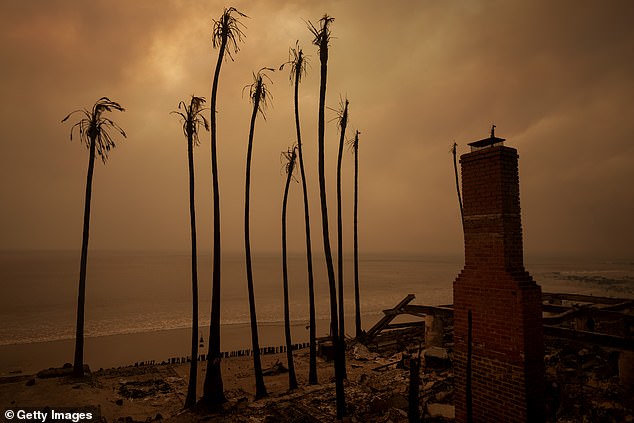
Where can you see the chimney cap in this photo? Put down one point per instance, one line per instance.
(492, 141)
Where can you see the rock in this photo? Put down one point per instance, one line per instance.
(378, 405)
(583, 352)
(397, 401)
(54, 372)
(445, 411)
(437, 358)
(242, 403)
(275, 369)
(361, 353)
(143, 389)
(119, 401)
(442, 396)
(30, 382)
(67, 366)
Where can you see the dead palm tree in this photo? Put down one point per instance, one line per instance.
(298, 69)
(357, 307)
(290, 157)
(259, 95)
(321, 40)
(342, 118)
(192, 119)
(226, 34)
(93, 131)
(455, 171)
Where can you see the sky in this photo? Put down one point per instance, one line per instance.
(554, 77)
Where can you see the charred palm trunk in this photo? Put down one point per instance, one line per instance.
(342, 327)
(357, 305)
(190, 400)
(312, 368)
(213, 391)
(455, 171)
(413, 413)
(340, 395)
(260, 389)
(292, 379)
(78, 367)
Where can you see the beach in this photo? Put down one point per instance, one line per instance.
(157, 346)
(376, 389)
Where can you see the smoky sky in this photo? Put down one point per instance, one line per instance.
(555, 77)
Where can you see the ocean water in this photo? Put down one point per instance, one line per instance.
(140, 293)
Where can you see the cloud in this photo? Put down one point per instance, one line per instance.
(555, 78)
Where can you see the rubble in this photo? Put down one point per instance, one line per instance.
(275, 369)
(142, 389)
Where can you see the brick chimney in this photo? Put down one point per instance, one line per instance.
(499, 366)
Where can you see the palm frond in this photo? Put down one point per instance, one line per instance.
(228, 31)
(341, 114)
(353, 143)
(259, 93)
(192, 117)
(322, 35)
(288, 159)
(298, 63)
(95, 126)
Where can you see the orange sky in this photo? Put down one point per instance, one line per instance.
(555, 77)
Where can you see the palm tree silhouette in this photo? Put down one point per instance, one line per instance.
(290, 157)
(226, 34)
(342, 118)
(321, 40)
(357, 307)
(259, 95)
(192, 119)
(93, 131)
(455, 172)
(298, 69)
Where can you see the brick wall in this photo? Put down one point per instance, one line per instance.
(507, 375)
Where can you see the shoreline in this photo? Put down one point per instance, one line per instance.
(123, 350)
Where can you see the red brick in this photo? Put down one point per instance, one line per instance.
(505, 302)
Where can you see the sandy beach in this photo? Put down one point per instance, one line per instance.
(376, 389)
(103, 389)
(125, 349)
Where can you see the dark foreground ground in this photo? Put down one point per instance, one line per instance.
(583, 386)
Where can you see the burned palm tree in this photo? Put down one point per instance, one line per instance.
(321, 40)
(192, 120)
(342, 119)
(455, 171)
(226, 34)
(94, 132)
(354, 144)
(289, 156)
(259, 96)
(298, 69)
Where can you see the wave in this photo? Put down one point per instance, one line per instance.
(101, 330)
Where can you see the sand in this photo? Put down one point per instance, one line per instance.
(124, 349)
(102, 388)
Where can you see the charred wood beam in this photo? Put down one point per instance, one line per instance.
(429, 310)
(550, 297)
(405, 325)
(600, 339)
(389, 316)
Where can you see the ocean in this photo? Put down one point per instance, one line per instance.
(138, 305)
